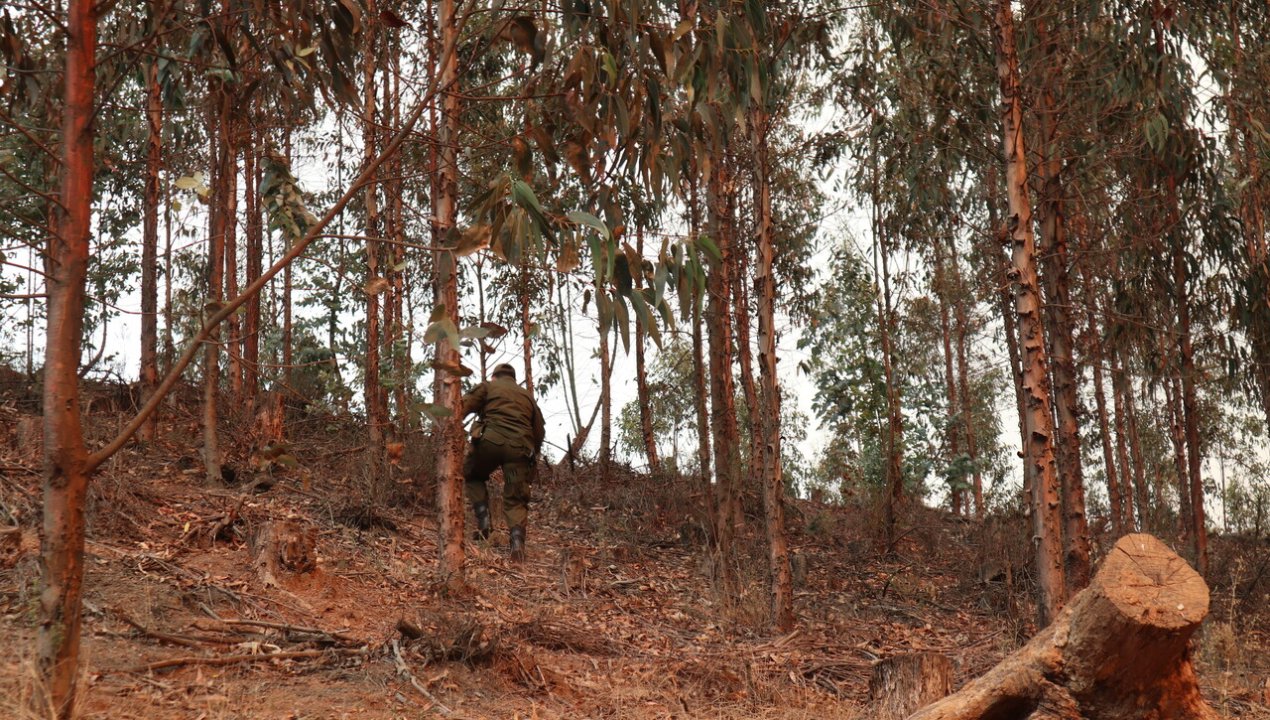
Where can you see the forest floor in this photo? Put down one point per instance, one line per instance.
(616, 613)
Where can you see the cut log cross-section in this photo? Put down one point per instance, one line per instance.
(1118, 651)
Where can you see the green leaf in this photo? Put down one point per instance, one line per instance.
(623, 319)
(442, 329)
(435, 411)
(524, 195)
(645, 316)
(711, 249)
(659, 283)
(475, 332)
(585, 218)
(610, 67)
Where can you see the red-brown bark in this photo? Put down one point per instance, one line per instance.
(1038, 437)
(768, 427)
(372, 392)
(641, 371)
(149, 374)
(452, 563)
(66, 460)
(1119, 650)
(1058, 322)
(723, 422)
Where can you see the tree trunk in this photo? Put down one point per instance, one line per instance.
(1011, 332)
(903, 684)
(1190, 416)
(1120, 650)
(372, 391)
(1059, 325)
(894, 491)
(233, 344)
(218, 220)
(606, 394)
(745, 361)
(895, 418)
(1177, 435)
(768, 412)
(1038, 439)
(1104, 424)
(149, 374)
(1136, 456)
(450, 448)
(723, 423)
(255, 266)
(641, 371)
(951, 436)
(397, 339)
(700, 398)
(287, 349)
(963, 379)
(65, 457)
(169, 344)
(1118, 388)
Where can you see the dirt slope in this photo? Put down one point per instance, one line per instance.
(616, 613)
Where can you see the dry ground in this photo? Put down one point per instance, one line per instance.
(618, 612)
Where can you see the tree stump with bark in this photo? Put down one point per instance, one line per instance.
(10, 546)
(1118, 651)
(902, 684)
(284, 546)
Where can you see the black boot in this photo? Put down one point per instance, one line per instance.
(481, 511)
(518, 543)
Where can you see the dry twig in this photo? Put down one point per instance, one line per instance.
(403, 669)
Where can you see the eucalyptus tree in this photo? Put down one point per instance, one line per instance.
(1231, 38)
(1038, 420)
(69, 463)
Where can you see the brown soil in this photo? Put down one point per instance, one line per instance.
(614, 615)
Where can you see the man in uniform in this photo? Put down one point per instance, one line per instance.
(508, 434)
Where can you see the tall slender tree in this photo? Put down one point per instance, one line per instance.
(1038, 434)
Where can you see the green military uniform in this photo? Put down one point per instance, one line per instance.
(509, 434)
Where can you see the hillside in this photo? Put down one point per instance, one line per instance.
(614, 615)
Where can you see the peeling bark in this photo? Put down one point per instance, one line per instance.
(769, 415)
(1038, 438)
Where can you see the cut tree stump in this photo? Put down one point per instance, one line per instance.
(902, 684)
(288, 546)
(1118, 651)
(10, 546)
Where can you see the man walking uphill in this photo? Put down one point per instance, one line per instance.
(508, 434)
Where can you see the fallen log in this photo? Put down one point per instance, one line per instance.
(1118, 651)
